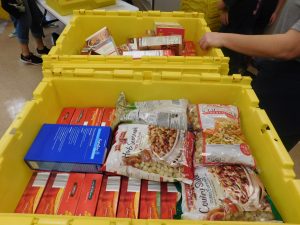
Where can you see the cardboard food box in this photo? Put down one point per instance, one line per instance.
(33, 193)
(189, 49)
(69, 148)
(169, 198)
(161, 43)
(109, 196)
(108, 116)
(51, 198)
(129, 199)
(93, 116)
(140, 54)
(79, 116)
(97, 38)
(66, 116)
(150, 202)
(168, 29)
(89, 195)
(71, 194)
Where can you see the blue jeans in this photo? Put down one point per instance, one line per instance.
(31, 20)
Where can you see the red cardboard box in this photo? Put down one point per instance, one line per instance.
(189, 49)
(71, 194)
(150, 200)
(33, 193)
(93, 116)
(89, 195)
(65, 116)
(109, 196)
(51, 198)
(79, 116)
(169, 198)
(108, 116)
(129, 199)
(169, 29)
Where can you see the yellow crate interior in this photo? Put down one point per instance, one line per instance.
(124, 25)
(53, 94)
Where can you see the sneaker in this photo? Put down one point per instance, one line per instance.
(43, 51)
(13, 34)
(31, 59)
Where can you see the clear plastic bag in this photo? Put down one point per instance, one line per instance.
(152, 153)
(163, 113)
(225, 193)
(218, 135)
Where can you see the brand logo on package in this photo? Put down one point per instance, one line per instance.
(97, 144)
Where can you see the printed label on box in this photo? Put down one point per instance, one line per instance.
(66, 116)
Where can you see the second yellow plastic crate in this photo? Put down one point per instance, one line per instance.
(125, 24)
(66, 7)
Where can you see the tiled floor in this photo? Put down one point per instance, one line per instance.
(17, 81)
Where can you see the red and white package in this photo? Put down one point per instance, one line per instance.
(170, 196)
(219, 137)
(225, 193)
(152, 153)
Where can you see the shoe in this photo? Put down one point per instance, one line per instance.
(31, 59)
(13, 34)
(44, 51)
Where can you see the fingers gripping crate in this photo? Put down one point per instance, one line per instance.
(124, 25)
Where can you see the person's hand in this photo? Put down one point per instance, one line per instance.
(224, 17)
(211, 39)
(273, 18)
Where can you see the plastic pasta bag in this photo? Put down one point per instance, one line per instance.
(225, 193)
(163, 113)
(218, 134)
(152, 153)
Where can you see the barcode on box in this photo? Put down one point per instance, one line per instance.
(41, 179)
(61, 180)
(153, 186)
(172, 187)
(113, 183)
(134, 185)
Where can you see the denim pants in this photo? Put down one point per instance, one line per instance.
(278, 88)
(31, 20)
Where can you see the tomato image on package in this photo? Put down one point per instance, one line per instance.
(69, 148)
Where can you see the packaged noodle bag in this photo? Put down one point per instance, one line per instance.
(163, 113)
(218, 134)
(152, 153)
(225, 193)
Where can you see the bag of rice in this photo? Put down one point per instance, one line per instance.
(218, 134)
(163, 113)
(152, 153)
(225, 193)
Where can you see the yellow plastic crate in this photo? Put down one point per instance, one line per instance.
(66, 7)
(3, 14)
(133, 24)
(66, 86)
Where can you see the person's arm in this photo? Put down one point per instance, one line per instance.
(276, 13)
(281, 46)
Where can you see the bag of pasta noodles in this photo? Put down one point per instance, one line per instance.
(225, 193)
(218, 134)
(163, 113)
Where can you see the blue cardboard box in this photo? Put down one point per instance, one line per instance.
(69, 148)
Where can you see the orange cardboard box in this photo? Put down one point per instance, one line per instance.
(79, 116)
(150, 200)
(51, 198)
(66, 116)
(89, 195)
(33, 193)
(109, 196)
(108, 116)
(71, 194)
(129, 199)
(189, 49)
(94, 116)
(169, 198)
